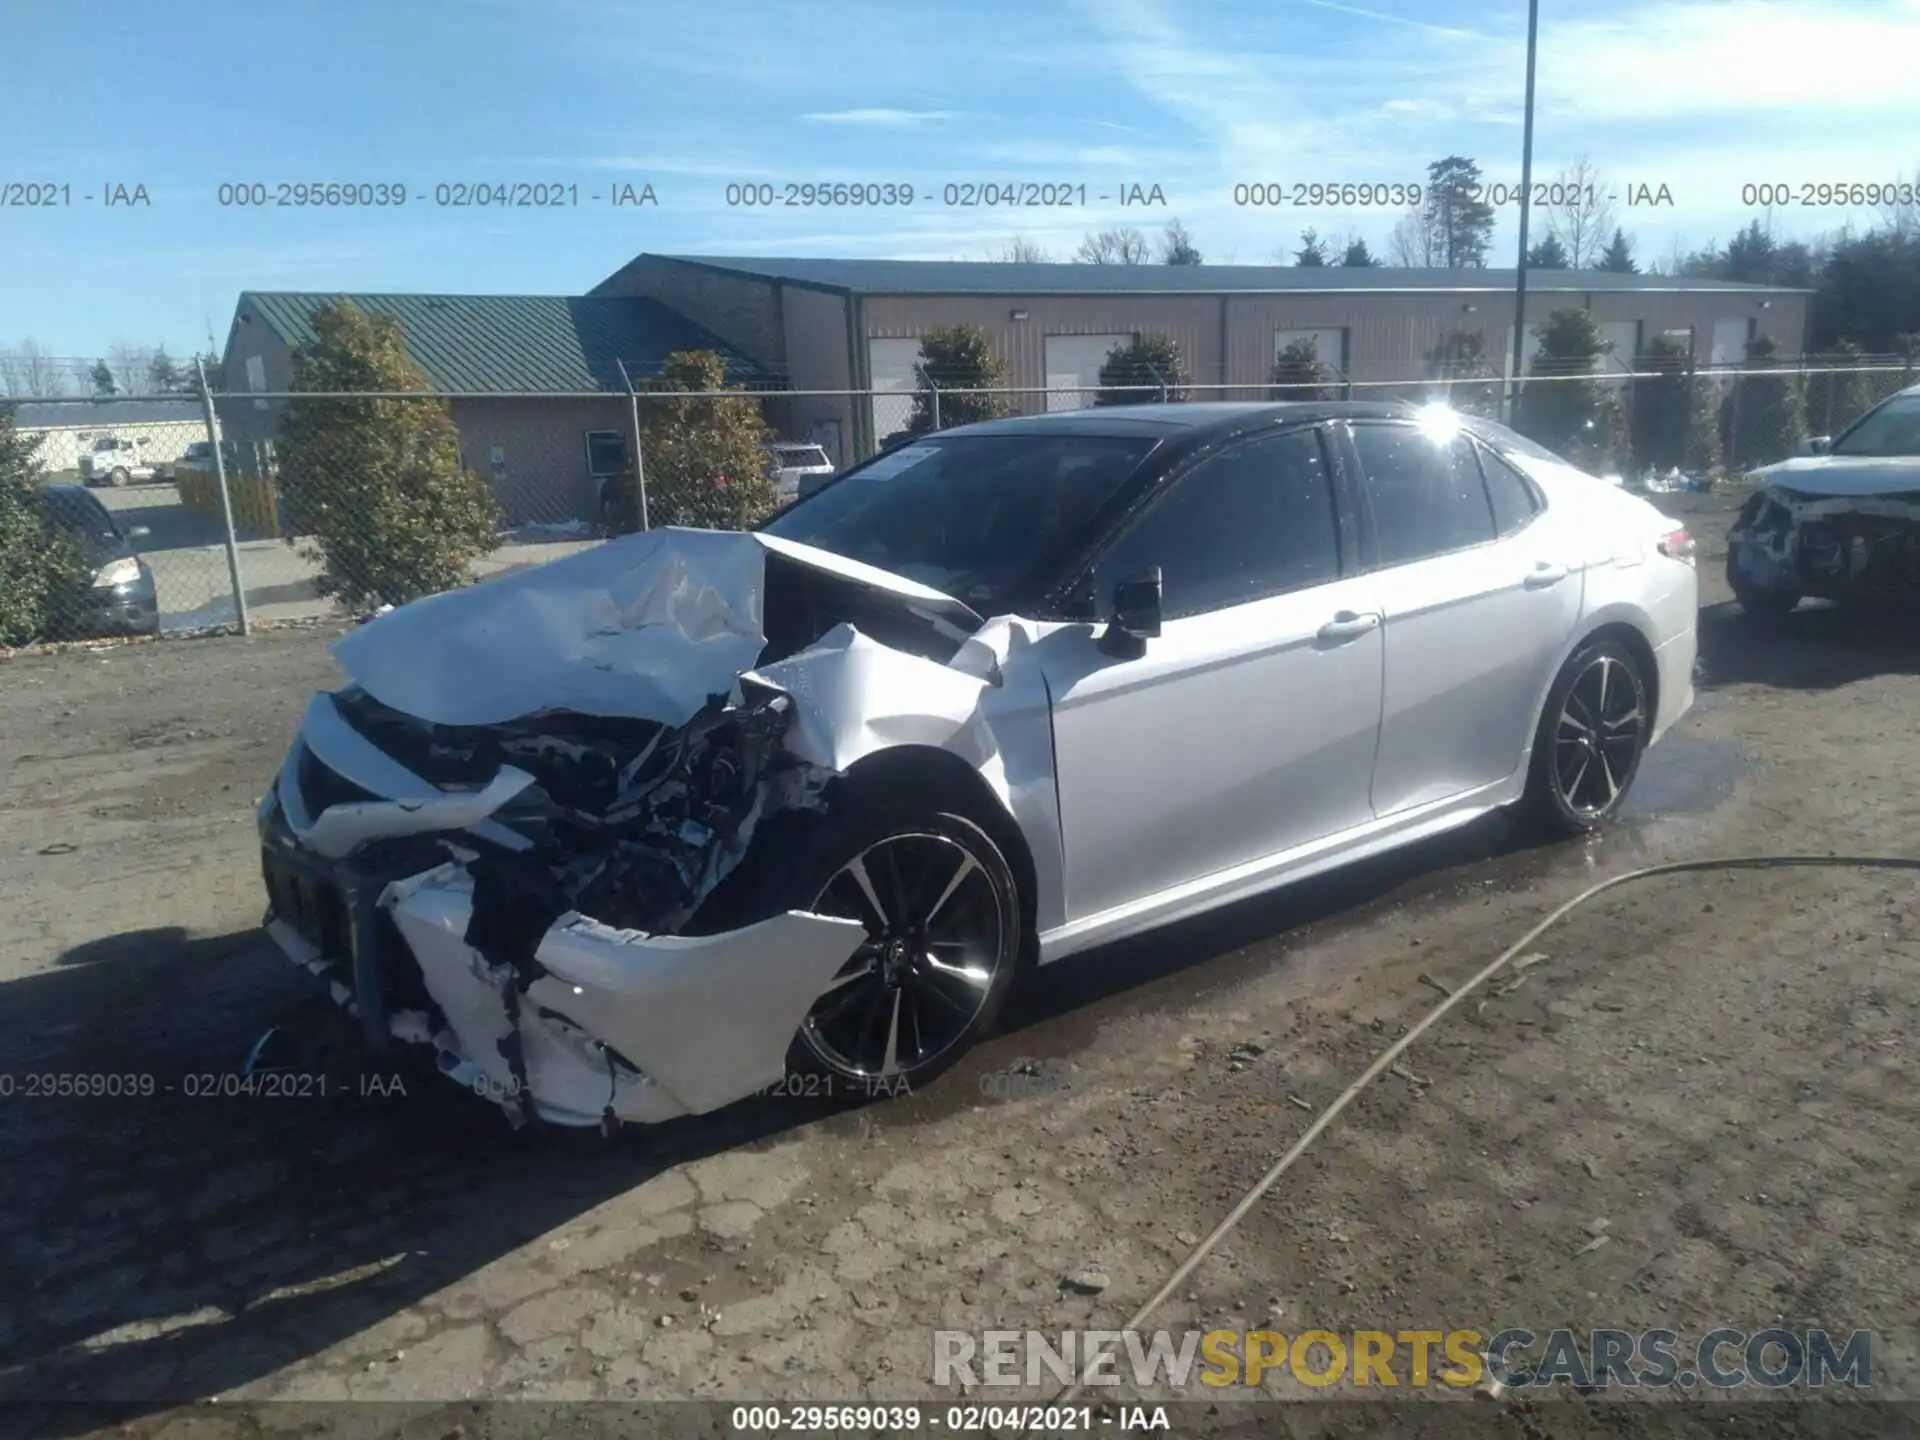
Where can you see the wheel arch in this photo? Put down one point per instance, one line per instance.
(926, 775)
(1621, 623)
(1630, 636)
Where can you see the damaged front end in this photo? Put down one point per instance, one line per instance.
(524, 894)
(1836, 547)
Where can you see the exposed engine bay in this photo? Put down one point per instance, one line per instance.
(1832, 546)
(520, 883)
(632, 821)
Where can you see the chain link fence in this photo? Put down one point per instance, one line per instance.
(297, 507)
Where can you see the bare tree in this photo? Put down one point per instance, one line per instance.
(130, 364)
(1177, 247)
(31, 372)
(1121, 246)
(1021, 250)
(1579, 212)
(1902, 217)
(1415, 242)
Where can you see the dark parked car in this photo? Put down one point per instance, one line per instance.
(118, 598)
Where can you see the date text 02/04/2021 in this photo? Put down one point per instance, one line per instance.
(952, 1419)
(201, 1085)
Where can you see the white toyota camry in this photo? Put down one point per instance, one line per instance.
(646, 830)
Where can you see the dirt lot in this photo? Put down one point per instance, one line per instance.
(1721, 1069)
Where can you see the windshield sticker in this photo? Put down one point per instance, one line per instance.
(888, 466)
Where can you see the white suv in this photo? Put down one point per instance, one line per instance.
(797, 468)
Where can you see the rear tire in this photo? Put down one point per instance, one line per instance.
(1592, 734)
(945, 923)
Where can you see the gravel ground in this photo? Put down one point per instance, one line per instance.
(1713, 1074)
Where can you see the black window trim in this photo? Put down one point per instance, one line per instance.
(1364, 499)
(1539, 500)
(1347, 534)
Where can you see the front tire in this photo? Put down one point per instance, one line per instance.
(1592, 734)
(944, 920)
(117, 477)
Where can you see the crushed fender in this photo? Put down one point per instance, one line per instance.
(589, 746)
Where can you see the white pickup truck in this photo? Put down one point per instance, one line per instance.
(116, 460)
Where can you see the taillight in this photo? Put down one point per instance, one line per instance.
(1676, 545)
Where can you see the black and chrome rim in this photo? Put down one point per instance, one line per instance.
(937, 933)
(1598, 735)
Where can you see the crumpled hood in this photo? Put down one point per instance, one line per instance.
(1841, 475)
(646, 626)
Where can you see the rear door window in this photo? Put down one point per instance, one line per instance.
(1426, 495)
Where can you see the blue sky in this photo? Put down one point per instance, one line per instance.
(1192, 95)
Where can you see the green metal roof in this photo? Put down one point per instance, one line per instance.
(993, 277)
(543, 344)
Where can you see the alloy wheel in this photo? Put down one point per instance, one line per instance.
(937, 936)
(1597, 737)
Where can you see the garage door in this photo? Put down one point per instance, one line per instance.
(1730, 341)
(1073, 368)
(1625, 336)
(1533, 349)
(890, 368)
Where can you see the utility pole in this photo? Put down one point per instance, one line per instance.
(1517, 364)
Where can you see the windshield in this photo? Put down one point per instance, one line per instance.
(976, 516)
(85, 518)
(800, 455)
(1892, 429)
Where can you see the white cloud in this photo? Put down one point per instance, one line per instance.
(880, 117)
(1810, 60)
(1412, 23)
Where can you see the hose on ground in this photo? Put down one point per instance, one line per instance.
(1324, 1120)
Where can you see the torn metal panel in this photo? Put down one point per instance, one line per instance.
(853, 696)
(646, 626)
(1836, 545)
(647, 1026)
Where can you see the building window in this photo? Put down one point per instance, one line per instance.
(497, 462)
(606, 453)
(1329, 346)
(257, 378)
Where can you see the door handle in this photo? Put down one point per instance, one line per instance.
(1348, 626)
(1545, 573)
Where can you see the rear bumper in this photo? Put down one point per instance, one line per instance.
(1674, 663)
(595, 1023)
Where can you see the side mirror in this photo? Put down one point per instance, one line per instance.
(1815, 445)
(1136, 615)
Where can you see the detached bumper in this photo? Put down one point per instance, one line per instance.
(602, 1022)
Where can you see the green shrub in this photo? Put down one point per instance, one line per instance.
(378, 484)
(1141, 370)
(1766, 416)
(958, 357)
(1578, 418)
(41, 567)
(704, 463)
(1299, 375)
